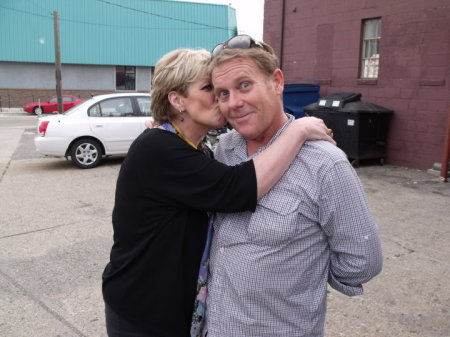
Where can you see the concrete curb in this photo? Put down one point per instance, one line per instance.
(19, 112)
(12, 111)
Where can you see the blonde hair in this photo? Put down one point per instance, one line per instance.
(264, 58)
(174, 72)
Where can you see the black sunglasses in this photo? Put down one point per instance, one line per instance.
(237, 42)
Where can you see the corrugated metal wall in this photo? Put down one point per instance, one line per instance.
(110, 32)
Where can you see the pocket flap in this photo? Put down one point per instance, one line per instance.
(279, 206)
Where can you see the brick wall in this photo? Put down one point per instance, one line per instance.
(17, 98)
(321, 42)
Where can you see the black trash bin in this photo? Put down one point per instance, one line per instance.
(359, 128)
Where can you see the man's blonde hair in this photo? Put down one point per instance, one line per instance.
(174, 72)
(264, 58)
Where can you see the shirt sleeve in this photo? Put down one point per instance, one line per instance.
(185, 177)
(352, 233)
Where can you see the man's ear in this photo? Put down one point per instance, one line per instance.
(175, 100)
(278, 81)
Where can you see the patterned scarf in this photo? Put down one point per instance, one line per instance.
(198, 316)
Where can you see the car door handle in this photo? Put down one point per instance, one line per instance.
(98, 125)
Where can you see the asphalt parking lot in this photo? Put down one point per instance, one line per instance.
(55, 236)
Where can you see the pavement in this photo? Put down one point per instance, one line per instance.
(55, 237)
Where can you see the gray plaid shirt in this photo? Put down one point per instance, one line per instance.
(269, 269)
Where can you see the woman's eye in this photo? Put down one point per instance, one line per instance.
(207, 87)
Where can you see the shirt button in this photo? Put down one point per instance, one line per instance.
(221, 249)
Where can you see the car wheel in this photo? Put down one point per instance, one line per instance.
(86, 153)
(38, 110)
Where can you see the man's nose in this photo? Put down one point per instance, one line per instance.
(235, 100)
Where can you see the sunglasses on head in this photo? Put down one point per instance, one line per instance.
(237, 42)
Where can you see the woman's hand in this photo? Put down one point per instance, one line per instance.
(315, 129)
(150, 124)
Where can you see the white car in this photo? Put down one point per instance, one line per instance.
(101, 126)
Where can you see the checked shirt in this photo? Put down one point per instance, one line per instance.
(269, 269)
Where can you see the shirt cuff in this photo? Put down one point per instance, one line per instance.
(345, 288)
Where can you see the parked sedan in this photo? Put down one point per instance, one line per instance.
(103, 125)
(38, 108)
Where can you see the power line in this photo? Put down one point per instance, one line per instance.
(163, 16)
(128, 27)
(107, 25)
(29, 13)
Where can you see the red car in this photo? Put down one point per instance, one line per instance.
(38, 108)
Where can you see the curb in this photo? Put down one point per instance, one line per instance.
(13, 112)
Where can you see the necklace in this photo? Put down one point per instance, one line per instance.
(172, 127)
(181, 135)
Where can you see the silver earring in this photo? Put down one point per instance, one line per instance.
(181, 115)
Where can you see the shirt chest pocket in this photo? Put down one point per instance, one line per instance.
(274, 222)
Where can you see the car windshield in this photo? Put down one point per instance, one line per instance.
(86, 102)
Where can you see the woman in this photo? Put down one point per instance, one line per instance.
(165, 188)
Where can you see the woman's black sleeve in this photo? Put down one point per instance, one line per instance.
(172, 170)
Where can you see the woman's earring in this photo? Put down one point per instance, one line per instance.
(181, 115)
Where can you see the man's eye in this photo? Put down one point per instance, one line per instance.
(222, 94)
(245, 85)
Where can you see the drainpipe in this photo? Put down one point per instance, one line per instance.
(283, 4)
(446, 156)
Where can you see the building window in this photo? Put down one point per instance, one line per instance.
(370, 48)
(125, 78)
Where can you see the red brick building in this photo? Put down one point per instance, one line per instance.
(395, 53)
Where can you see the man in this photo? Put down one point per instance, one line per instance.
(269, 269)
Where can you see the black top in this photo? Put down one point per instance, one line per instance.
(160, 226)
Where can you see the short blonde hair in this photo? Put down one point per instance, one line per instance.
(174, 72)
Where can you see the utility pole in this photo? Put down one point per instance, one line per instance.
(57, 62)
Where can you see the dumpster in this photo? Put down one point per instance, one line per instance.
(296, 96)
(359, 128)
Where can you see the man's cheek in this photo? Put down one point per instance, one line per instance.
(223, 107)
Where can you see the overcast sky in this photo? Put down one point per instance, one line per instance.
(249, 15)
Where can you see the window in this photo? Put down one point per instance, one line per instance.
(64, 99)
(125, 78)
(95, 111)
(144, 105)
(370, 48)
(114, 107)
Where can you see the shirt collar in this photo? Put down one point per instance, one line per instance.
(237, 143)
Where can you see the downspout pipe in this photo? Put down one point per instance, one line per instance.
(283, 5)
(446, 155)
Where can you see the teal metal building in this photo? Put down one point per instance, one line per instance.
(106, 45)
